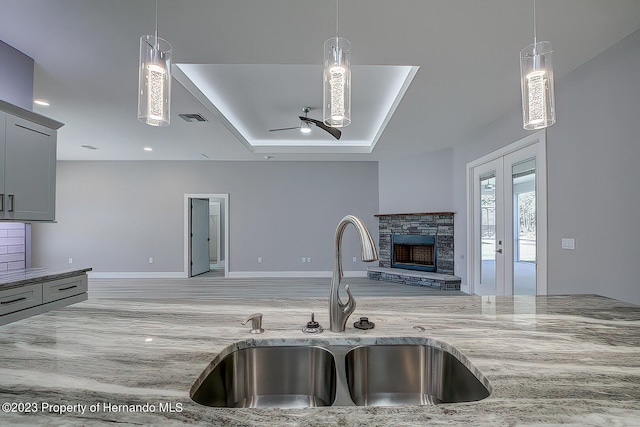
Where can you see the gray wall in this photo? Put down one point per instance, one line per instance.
(114, 216)
(593, 153)
(16, 82)
(417, 183)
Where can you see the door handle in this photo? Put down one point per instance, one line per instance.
(499, 251)
(1, 202)
(11, 202)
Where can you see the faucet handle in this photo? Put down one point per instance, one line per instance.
(350, 306)
(256, 323)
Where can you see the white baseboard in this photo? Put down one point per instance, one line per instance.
(232, 274)
(137, 275)
(257, 274)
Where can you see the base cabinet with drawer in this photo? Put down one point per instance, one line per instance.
(24, 301)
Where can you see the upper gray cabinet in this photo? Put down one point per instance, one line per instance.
(27, 165)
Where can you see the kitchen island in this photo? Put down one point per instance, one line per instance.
(549, 360)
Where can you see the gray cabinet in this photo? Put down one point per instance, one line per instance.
(38, 295)
(22, 298)
(27, 165)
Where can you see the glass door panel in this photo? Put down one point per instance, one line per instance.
(488, 240)
(488, 233)
(523, 176)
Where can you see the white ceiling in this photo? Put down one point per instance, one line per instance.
(86, 54)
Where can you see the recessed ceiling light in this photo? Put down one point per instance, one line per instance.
(41, 102)
(148, 149)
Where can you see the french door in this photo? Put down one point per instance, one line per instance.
(507, 226)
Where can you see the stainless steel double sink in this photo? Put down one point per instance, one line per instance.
(256, 374)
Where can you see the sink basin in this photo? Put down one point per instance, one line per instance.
(313, 373)
(280, 376)
(389, 375)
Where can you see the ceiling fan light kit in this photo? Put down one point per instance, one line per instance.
(154, 79)
(305, 127)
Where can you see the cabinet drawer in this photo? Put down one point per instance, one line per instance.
(63, 288)
(21, 298)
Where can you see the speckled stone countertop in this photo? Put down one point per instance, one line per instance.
(15, 278)
(549, 360)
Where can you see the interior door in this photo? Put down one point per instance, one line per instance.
(214, 235)
(507, 248)
(199, 234)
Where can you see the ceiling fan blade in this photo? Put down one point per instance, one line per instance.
(276, 130)
(333, 131)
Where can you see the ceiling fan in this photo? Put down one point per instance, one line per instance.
(305, 123)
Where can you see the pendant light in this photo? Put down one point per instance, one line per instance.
(154, 79)
(536, 74)
(337, 80)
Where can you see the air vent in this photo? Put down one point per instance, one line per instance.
(193, 117)
(89, 147)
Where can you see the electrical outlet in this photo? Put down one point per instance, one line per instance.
(260, 260)
(70, 260)
(304, 259)
(308, 259)
(568, 243)
(355, 259)
(150, 260)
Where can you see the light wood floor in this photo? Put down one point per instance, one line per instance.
(212, 286)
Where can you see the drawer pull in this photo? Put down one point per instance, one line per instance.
(66, 289)
(13, 300)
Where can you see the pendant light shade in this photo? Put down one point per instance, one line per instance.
(154, 83)
(337, 82)
(536, 73)
(536, 80)
(154, 79)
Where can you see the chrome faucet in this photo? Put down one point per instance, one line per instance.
(338, 311)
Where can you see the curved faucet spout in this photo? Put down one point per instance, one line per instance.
(339, 312)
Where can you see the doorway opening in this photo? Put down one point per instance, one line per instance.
(206, 234)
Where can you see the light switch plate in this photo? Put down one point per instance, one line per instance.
(568, 243)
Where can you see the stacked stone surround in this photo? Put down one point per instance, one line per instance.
(438, 224)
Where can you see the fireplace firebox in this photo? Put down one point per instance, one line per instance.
(413, 252)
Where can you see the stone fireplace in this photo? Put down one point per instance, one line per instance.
(416, 249)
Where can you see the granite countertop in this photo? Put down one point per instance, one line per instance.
(549, 360)
(15, 278)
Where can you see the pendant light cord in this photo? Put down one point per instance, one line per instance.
(535, 38)
(156, 34)
(337, 15)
